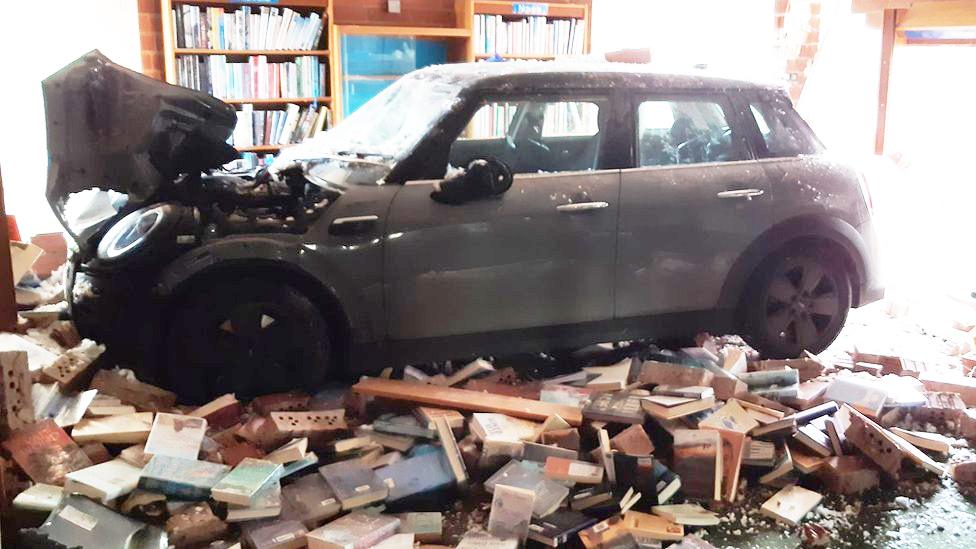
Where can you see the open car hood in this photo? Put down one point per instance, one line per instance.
(114, 129)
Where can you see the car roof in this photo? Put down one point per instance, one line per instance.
(580, 74)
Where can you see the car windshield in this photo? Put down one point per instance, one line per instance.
(381, 132)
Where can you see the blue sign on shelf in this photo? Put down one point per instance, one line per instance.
(530, 8)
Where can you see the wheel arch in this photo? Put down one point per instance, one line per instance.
(832, 232)
(175, 287)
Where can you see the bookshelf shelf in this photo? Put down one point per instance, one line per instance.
(262, 148)
(277, 100)
(507, 8)
(516, 57)
(238, 3)
(268, 53)
(419, 32)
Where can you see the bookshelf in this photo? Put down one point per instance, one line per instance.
(270, 59)
(356, 61)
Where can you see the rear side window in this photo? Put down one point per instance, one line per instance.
(783, 133)
(685, 132)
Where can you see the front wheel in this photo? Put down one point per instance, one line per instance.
(249, 337)
(797, 301)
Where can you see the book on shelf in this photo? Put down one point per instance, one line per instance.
(247, 28)
(277, 127)
(528, 36)
(254, 79)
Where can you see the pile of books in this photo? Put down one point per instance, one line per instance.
(247, 28)
(528, 36)
(275, 127)
(637, 453)
(255, 79)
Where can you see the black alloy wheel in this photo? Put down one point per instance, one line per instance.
(798, 302)
(248, 337)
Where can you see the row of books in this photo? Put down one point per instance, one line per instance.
(561, 119)
(255, 79)
(261, 28)
(277, 127)
(249, 161)
(529, 36)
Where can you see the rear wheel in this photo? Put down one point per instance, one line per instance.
(797, 301)
(248, 337)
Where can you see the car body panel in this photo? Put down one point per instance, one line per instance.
(516, 261)
(678, 240)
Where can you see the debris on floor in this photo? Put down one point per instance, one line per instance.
(638, 447)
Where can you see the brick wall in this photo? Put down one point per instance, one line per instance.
(798, 25)
(151, 38)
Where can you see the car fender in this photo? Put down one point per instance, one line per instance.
(282, 255)
(817, 226)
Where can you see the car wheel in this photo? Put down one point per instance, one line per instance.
(798, 301)
(248, 337)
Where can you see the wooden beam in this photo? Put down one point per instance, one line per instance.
(462, 399)
(8, 300)
(887, 48)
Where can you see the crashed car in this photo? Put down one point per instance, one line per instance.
(469, 209)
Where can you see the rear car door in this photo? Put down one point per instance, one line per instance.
(539, 255)
(692, 203)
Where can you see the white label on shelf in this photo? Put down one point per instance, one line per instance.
(530, 8)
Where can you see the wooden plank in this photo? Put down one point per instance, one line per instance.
(887, 48)
(169, 42)
(462, 399)
(938, 15)
(8, 302)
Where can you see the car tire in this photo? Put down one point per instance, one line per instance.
(797, 301)
(248, 337)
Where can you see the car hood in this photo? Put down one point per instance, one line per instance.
(114, 129)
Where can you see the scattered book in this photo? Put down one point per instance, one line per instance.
(815, 440)
(310, 500)
(418, 476)
(427, 415)
(688, 514)
(355, 485)
(39, 497)
(610, 378)
(242, 484)
(759, 453)
(864, 395)
(928, 441)
(590, 496)
(502, 427)
(403, 425)
(127, 429)
(176, 435)
(104, 482)
(483, 540)
(266, 503)
(576, 471)
(540, 452)
(619, 407)
(357, 530)
(731, 417)
(185, 479)
(698, 461)
(45, 452)
(451, 451)
(549, 494)
(292, 451)
(558, 528)
(277, 534)
(511, 512)
(666, 406)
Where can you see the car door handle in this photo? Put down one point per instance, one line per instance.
(741, 193)
(582, 206)
(345, 226)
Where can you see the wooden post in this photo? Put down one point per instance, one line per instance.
(887, 48)
(8, 301)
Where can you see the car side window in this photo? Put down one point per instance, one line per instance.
(534, 135)
(783, 133)
(671, 131)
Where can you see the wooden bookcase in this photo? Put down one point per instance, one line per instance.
(459, 40)
(321, 50)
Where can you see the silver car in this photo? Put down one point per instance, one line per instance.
(468, 209)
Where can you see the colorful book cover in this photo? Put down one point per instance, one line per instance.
(245, 481)
(187, 479)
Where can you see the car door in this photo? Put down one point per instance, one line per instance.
(540, 254)
(692, 203)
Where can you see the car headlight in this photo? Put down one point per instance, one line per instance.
(141, 229)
